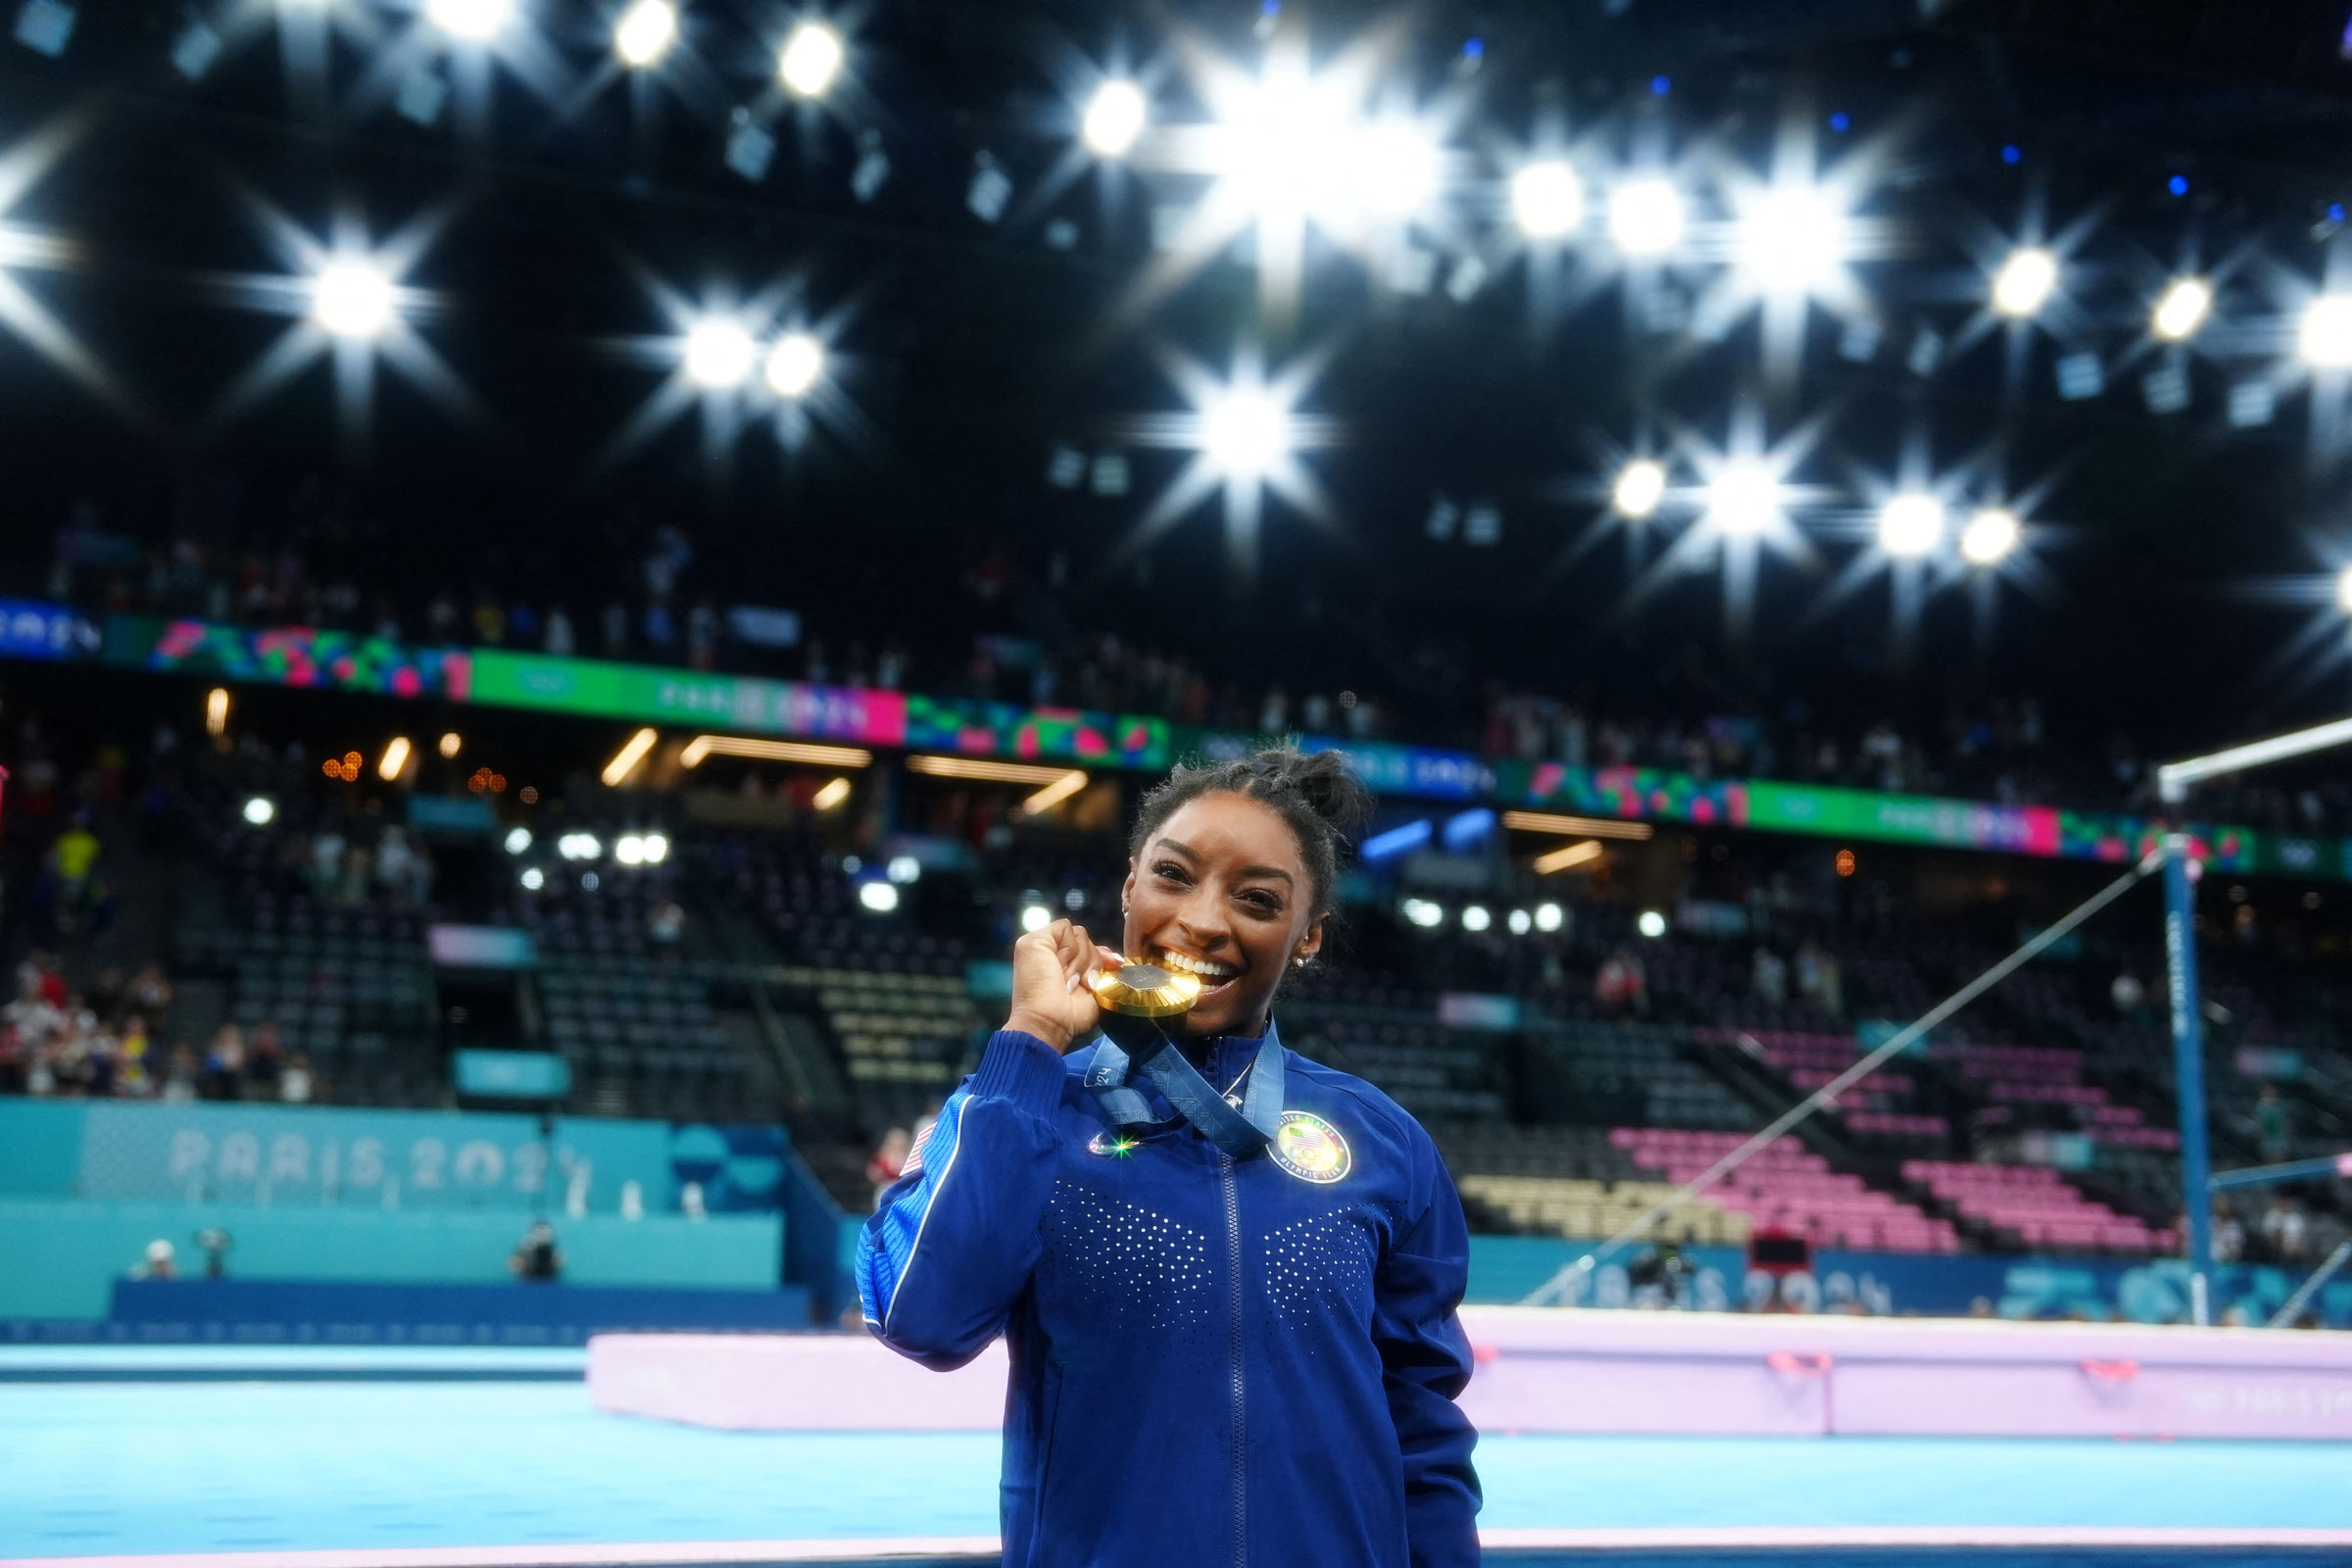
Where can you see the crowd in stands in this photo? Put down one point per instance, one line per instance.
(1697, 722)
(1644, 1049)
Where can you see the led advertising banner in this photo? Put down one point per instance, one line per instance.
(288, 655)
(33, 630)
(1386, 769)
(859, 715)
(1648, 794)
(1044, 734)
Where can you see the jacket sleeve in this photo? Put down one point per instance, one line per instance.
(1425, 1364)
(958, 1234)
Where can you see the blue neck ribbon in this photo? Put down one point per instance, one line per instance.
(1238, 1133)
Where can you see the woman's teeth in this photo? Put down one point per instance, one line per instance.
(1213, 975)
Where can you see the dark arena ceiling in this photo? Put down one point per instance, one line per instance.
(1000, 309)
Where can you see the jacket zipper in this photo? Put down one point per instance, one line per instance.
(1240, 1428)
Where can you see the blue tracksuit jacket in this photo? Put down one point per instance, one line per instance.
(1248, 1365)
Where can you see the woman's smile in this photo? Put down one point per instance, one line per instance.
(1215, 976)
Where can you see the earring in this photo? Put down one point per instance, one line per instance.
(1298, 962)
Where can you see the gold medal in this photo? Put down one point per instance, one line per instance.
(1144, 989)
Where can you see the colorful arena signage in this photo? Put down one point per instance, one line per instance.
(32, 630)
(320, 659)
(288, 655)
(859, 714)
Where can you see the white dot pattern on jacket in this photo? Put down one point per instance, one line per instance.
(1141, 1267)
(1320, 1264)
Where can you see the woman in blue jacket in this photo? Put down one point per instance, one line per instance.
(1227, 1275)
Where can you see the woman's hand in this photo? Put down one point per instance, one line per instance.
(1051, 999)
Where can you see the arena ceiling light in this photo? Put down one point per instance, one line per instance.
(395, 758)
(976, 767)
(1291, 145)
(260, 810)
(24, 245)
(518, 840)
(1246, 433)
(831, 795)
(701, 747)
(352, 307)
(1639, 488)
(645, 33)
(1745, 499)
(1592, 827)
(2027, 278)
(1793, 240)
(1548, 199)
(1795, 236)
(2324, 335)
(1115, 118)
(794, 364)
(718, 353)
(353, 297)
(470, 21)
(810, 59)
(1989, 535)
(736, 361)
(1568, 858)
(1911, 525)
(1646, 217)
(2343, 590)
(2182, 308)
(1053, 794)
(632, 751)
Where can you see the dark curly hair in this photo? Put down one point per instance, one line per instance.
(1315, 792)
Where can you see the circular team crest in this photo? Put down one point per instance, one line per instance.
(1309, 1148)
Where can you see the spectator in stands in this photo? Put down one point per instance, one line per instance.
(888, 1161)
(2229, 1236)
(265, 1058)
(537, 1259)
(665, 927)
(1768, 977)
(150, 991)
(2272, 1134)
(326, 861)
(182, 1078)
(132, 1069)
(1818, 980)
(223, 1072)
(297, 1085)
(1619, 987)
(394, 865)
(160, 1262)
(2129, 996)
(72, 894)
(2285, 1229)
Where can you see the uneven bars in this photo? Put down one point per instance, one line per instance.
(1556, 1286)
(2173, 779)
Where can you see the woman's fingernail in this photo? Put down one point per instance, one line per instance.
(1074, 983)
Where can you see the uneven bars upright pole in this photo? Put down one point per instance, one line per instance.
(2188, 1069)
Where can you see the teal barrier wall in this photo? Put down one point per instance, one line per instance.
(282, 1154)
(40, 1148)
(59, 1257)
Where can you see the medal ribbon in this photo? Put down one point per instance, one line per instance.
(1238, 1133)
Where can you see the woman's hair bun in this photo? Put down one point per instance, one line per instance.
(1329, 785)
